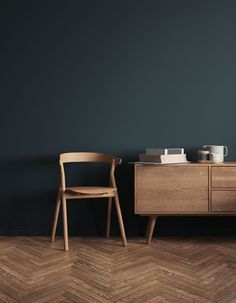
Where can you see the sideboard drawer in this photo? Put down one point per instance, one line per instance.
(171, 189)
(223, 176)
(224, 200)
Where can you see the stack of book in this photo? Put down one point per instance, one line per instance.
(164, 155)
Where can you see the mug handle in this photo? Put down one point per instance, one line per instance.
(206, 146)
(225, 151)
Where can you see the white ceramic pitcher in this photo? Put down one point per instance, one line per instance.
(221, 150)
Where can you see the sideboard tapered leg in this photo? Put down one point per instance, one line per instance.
(151, 225)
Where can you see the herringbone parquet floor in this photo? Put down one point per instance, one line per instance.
(178, 270)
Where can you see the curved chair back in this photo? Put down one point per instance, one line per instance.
(88, 157)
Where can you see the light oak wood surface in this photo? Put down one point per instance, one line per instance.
(223, 176)
(88, 157)
(171, 189)
(184, 189)
(90, 190)
(171, 270)
(87, 192)
(150, 228)
(224, 200)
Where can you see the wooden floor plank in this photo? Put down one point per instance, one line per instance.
(170, 270)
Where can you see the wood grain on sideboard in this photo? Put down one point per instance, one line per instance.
(179, 189)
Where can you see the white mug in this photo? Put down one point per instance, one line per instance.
(217, 149)
(215, 158)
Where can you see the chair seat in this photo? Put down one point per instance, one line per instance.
(89, 190)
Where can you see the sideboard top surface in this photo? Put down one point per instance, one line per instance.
(188, 164)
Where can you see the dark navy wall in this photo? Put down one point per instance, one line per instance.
(114, 77)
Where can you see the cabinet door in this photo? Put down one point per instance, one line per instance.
(171, 189)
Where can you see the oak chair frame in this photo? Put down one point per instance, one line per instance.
(63, 196)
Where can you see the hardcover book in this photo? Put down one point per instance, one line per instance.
(177, 158)
(164, 151)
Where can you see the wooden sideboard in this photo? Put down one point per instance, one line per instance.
(184, 189)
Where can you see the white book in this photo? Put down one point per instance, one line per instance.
(175, 158)
(164, 151)
(157, 163)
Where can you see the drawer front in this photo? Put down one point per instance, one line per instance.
(223, 176)
(171, 189)
(224, 200)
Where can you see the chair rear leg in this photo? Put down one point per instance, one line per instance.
(65, 227)
(120, 220)
(56, 214)
(109, 207)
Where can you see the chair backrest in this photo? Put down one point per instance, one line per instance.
(88, 157)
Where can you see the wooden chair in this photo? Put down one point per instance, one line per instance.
(66, 193)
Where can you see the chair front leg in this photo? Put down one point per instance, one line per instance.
(120, 220)
(65, 227)
(56, 214)
(109, 207)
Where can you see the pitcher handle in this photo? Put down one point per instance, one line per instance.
(225, 151)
